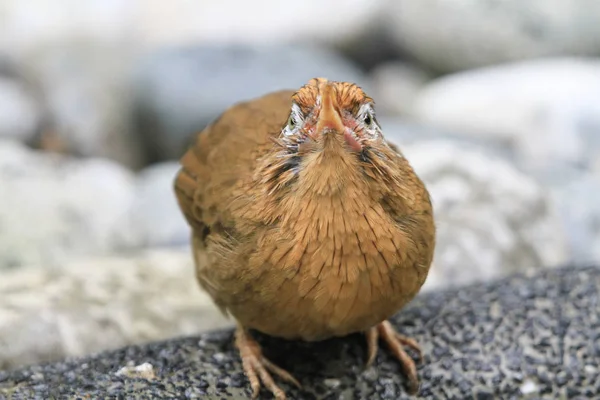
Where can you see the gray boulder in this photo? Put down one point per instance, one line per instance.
(53, 208)
(455, 35)
(547, 114)
(547, 111)
(522, 337)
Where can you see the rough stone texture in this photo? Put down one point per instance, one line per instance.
(492, 220)
(547, 111)
(455, 35)
(536, 337)
(53, 208)
(180, 90)
(90, 305)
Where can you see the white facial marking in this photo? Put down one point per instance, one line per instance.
(368, 107)
(366, 118)
(295, 121)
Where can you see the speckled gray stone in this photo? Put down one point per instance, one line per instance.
(522, 337)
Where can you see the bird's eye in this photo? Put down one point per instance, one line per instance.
(291, 126)
(368, 119)
(294, 121)
(291, 122)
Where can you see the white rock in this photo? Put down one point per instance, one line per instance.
(54, 207)
(590, 369)
(492, 220)
(454, 35)
(155, 213)
(19, 112)
(529, 387)
(93, 304)
(144, 371)
(332, 383)
(548, 111)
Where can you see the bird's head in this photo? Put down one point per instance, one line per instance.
(331, 141)
(331, 115)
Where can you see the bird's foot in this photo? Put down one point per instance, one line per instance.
(258, 369)
(395, 342)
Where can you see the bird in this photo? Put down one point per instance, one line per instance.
(306, 223)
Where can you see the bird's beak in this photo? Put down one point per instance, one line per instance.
(329, 117)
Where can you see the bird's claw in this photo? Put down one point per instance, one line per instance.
(258, 369)
(395, 342)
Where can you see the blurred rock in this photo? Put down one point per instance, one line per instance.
(181, 90)
(86, 87)
(492, 220)
(155, 212)
(455, 35)
(547, 111)
(28, 26)
(373, 47)
(53, 207)
(579, 205)
(396, 85)
(89, 305)
(262, 21)
(404, 131)
(155, 23)
(20, 113)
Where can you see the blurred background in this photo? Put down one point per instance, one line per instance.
(496, 103)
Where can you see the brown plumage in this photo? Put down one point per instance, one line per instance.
(307, 229)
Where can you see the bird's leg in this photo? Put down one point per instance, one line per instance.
(395, 342)
(257, 367)
(372, 338)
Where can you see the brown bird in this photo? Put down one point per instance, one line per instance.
(306, 223)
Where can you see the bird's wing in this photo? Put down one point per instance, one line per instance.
(223, 155)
